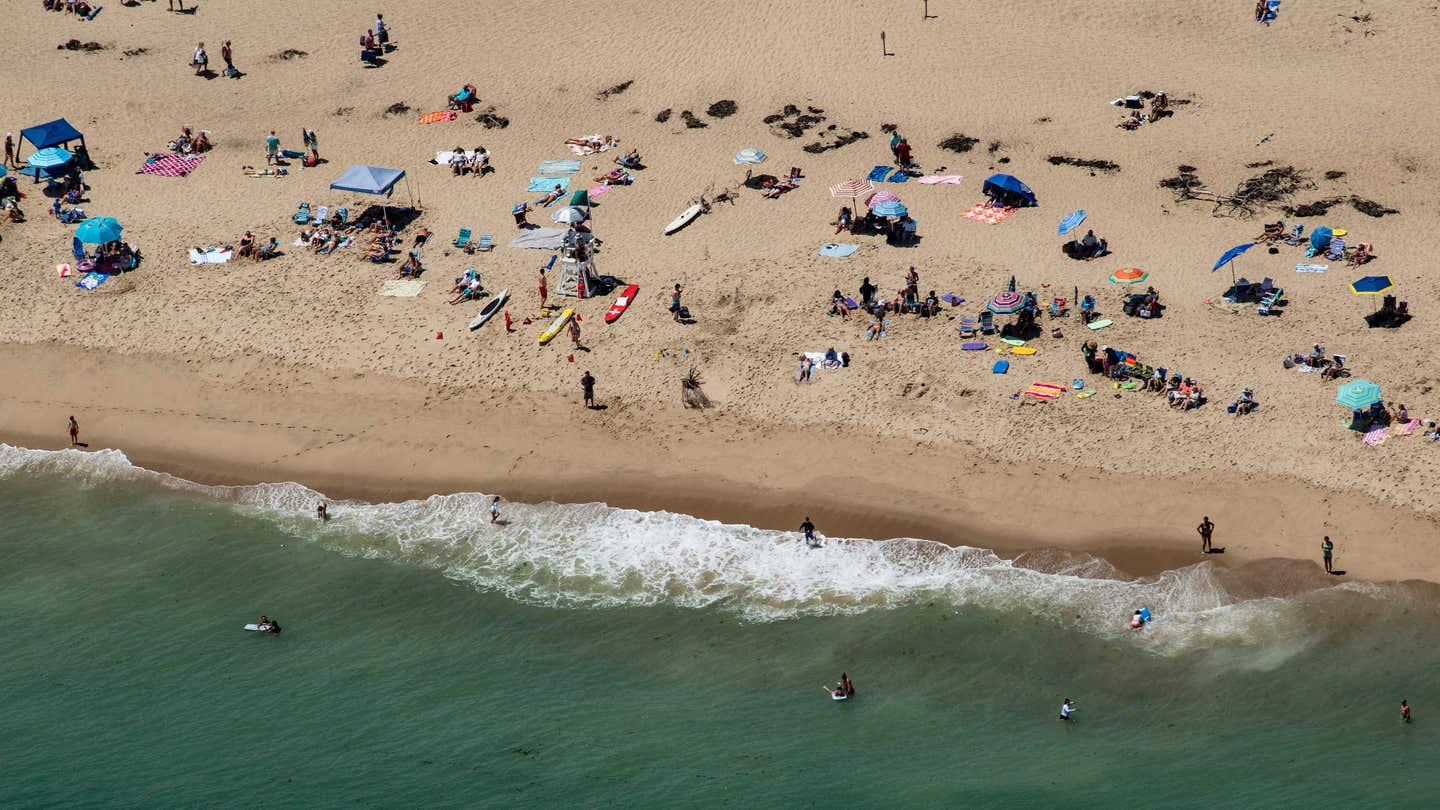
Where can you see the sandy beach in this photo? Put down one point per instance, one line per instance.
(295, 369)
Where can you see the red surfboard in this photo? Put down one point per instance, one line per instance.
(621, 303)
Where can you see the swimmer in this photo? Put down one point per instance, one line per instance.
(850, 687)
(1404, 711)
(1066, 709)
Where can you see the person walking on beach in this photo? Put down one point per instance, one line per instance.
(312, 141)
(201, 60)
(1404, 711)
(227, 55)
(587, 384)
(575, 331)
(10, 149)
(74, 432)
(1066, 709)
(1206, 528)
(495, 509)
(675, 303)
(1327, 552)
(809, 529)
(382, 32)
(272, 148)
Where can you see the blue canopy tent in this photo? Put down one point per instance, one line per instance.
(55, 133)
(369, 180)
(1008, 190)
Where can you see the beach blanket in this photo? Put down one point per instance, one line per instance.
(818, 358)
(1042, 390)
(170, 165)
(402, 288)
(540, 238)
(559, 167)
(1407, 428)
(1377, 436)
(991, 215)
(899, 176)
(878, 173)
(444, 158)
(92, 280)
(838, 251)
(545, 185)
(598, 191)
(589, 150)
(1000, 367)
(1311, 268)
(210, 255)
(436, 117)
(941, 179)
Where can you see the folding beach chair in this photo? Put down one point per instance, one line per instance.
(1059, 308)
(486, 242)
(987, 322)
(463, 239)
(969, 328)
(321, 214)
(344, 215)
(302, 215)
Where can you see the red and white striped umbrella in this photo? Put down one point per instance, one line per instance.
(852, 188)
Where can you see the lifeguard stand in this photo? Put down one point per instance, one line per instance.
(577, 265)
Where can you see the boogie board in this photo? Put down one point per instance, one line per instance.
(684, 219)
(972, 347)
(559, 323)
(1021, 350)
(621, 303)
(488, 311)
(1013, 341)
(1100, 324)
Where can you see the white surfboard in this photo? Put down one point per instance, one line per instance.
(253, 628)
(488, 311)
(684, 219)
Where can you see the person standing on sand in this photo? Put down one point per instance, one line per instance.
(495, 509)
(544, 288)
(227, 55)
(1404, 711)
(587, 384)
(10, 149)
(675, 303)
(1327, 551)
(201, 60)
(272, 148)
(382, 32)
(313, 141)
(74, 432)
(1206, 528)
(575, 331)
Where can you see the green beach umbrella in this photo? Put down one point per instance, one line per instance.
(1358, 394)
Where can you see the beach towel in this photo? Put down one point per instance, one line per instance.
(1311, 268)
(941, 179)
(559, 167)
(838, 251)
(598, 191)
(1042, 390)
(402, 288)
(540, 238)
(878, 173)
(1377, 436)
(589, 150)
(435, 117)
(92, 280)
(899, 176)
(991, 215)
(444, 158)
(818, 358)
(170, 165)
(545, 185)
(210, 255)
(1407, 428)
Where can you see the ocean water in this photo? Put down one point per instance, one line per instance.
(593, 657)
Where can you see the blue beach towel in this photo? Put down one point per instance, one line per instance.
(545, 185)
(878, 173)
(899, 176)
(559, 167)
(838, 251)
(91, 280)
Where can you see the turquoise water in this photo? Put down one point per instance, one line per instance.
(582, 656)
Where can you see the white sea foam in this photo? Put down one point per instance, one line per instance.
(592, 555)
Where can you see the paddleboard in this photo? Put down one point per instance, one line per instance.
(488, 311)
(684, 219)
(555, 327)
(1021, 350)
(1100, 324)
(621, 303)
(1013, 341)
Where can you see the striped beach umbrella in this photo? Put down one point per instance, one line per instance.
(1358, 394)
(754, 156)
(889, 208)
(1006, 303)
(879, 197)
(1129, 275)
(1071, 221)
(49, 158)
(852, 188)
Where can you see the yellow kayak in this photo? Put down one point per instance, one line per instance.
(549, 334)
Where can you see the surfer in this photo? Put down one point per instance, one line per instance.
(1206, 528)
(267, 625)
(846, 685)
(809, 529)
(322, 512)
(1066, 709)
(495, 509)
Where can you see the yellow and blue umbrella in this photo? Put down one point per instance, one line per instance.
(99, 230)
(1358, 394)
(754, 156)
(1372, 285)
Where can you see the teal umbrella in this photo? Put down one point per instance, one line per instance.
(49, 158)
(1358, 394)
(99, 230)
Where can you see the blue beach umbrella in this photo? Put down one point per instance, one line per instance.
(1358, 394)
(1229, 257)
(1372, 285)
(890, 208)
(99, 230)
(1071, 221)
(754, 156)
(49, 158)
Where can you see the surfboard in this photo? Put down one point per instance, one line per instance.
(1021, 350)
(254, 628)
(1100, 324)
(839, 697)
(488, 311)
(621, 303)
(684, 219)
(1013, 341)
(555, 327)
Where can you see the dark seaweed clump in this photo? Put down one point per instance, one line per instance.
(691, 121)
(722, 109)
(1099, 165)
(663, 116)
(959, 143)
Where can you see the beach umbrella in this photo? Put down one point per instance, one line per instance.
(569, 215)
(1006, 303)
(852, 188)
(889, 208)
(1372, 285)
(1129, 275)
(1071, 221)
(49, 158)
(99, 230)
(1229, 258)
(1358, 394)
(879, 197)
(754, 156)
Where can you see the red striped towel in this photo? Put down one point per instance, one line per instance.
(435, 117)
(1042, 390)
(171, 165)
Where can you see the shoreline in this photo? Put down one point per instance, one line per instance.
(245, 420)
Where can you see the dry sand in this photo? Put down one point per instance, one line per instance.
(915, 437)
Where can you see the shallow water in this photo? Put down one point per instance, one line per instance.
(588, 656)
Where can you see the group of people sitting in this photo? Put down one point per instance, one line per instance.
(191, 143)
(467, 287)
(1159, 108)
(1334, 250)
(248, 248)
(898, 231)
(10, 199)
(1125, 369)
(1331, 367)
(1379, 413)
(907, 299)
(1390, 314)
(1144, 305)
(112, 257)
(475, 162)
(78, 7)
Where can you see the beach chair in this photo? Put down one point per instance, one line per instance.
(344, 217)
(485, 243)
(1270, 300)
(1336, 252)
(987, 322)
(463, 239)
(302, 215)
(1295, 238)
(321, 214)
(969, 328)
(1059, 308)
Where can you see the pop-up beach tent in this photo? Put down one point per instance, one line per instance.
(369, 180)
(55, 133)
(1007, 189)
